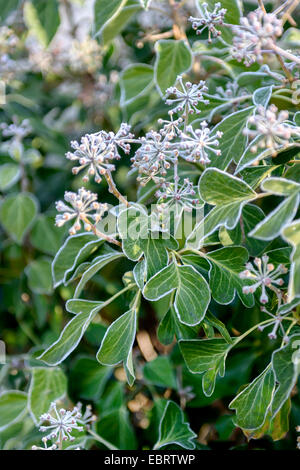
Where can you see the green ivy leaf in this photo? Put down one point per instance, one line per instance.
(214, 190)
(262, 96)
(160, 372)
(9, 175)
(39, 277)
(192, 293)
(45, 236)
(47, 385)
(43, 19)
(174, 430)
(270, 227)
(85, 311)
(118, 22)
(74, 251)
(106, 255)
(135, 81)
(170, 326)
(226, 265)
(286, 367)
(251, 216)
(173, 58)
(115, 427)
(17, 214)
(13, 407)
(88, 378)
(117, 343)
(104, 12)
(137, 240)
(233, 140)
(253, 403)
(291, 234)
(207, 357)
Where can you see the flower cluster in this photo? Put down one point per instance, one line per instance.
(182, 194)
(264, 275)
(82, 207)
(61, 423)
(209, 20)
(277, 322)
(186, 96)
(272, 127)
(153, 157)
(85, 55)
(96, 151)
(16, 130)
(196, 143)
(256, 34)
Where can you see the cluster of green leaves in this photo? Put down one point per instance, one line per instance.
(184, 295)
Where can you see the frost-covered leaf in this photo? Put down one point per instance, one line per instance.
(104, 11)
(138, 240)
(74, 251)
(253, 403)
(116, 428)
(88, 378)
(271, 226)
(17, 214)
(45, 236)
(173, 58)
(192, 293)
(105, 256)
(286, 368)
(119, 20)
(291, 233)
(261, 96)
(13, 407)
(232, 143)
(85, 311)
(250, 217)
(207, 357)
(47, 385)
(174, 430)
(226, 265)
(214, 188)
(117, 343)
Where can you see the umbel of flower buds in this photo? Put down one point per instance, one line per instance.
(183, 194)
(60, 423)
(277, 325)
(186, 96)
(153, 157)
(272, 127)
(195, 144)
(257, 32)
(264, 275)
(82, 207)
(209, 19)
(95, 152)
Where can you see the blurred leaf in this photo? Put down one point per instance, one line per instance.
(13, 407)
(17, 214)
(9, 175)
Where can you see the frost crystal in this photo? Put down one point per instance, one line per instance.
(209, 20)
(80, 207)
(264, 274)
